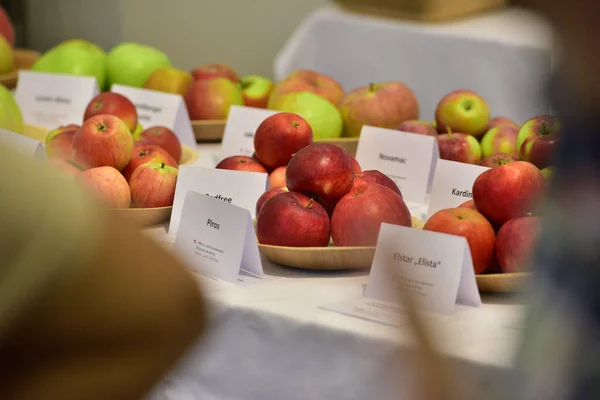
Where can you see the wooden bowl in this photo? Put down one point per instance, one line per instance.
(144, 217)
(24, 59)
(320, 258)
(348, 144)
(209, 130)
(188, 155)
(502, 283)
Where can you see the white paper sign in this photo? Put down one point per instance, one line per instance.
(21, 143)
(452, 184)
(52, 100)
(217, 238)
(407, 158)
(238, 138)
(157, 108)
(437, 268)
(234, 187)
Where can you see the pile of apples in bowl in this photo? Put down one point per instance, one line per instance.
(322, 211)
(132, 170)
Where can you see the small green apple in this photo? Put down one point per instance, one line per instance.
(83, 44)
(10, 114)
(132, 64)
(6, 56)
(256, 90)
(73, 60)
(463, 111)
(323, 117)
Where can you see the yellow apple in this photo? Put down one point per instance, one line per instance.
(6, 56)
(169, 80)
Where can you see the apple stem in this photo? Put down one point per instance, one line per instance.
(310, 202)
(449, 131)
(544, 129)
(371, 87)
(162, 165)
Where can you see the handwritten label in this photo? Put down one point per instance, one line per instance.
(452, 184)
(238, 188)
(217, 239)
(435, 268)
(52, 100)
(407, 158)
(27, 146)
(160, 109)
(238, 138)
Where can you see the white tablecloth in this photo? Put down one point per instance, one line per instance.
(505, 56)
(270, 340)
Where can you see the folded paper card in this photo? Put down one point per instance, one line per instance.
(27, 146)
(238, 138)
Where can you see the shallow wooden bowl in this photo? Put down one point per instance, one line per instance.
(348, 144)
(502, 283)
(144, 217)
(320, 258)
(209, 130)
(24, 59)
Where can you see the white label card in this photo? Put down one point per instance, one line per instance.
(160, 109)
(452, 184)
(52, 100)
(217, 238)
(239, 188)
(407, 158)
(24, 144)
(238, 138)
(434, 267)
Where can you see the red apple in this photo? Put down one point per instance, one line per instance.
(292, 219)
(469, 204)
(144, 153)
(165, 138)
(358, 215)
(277, 177)
(385, 105)
(280, 136)
(114, 104)
(211, 71)
(542, 125)
(241, 163)
(459, 147)
(321, 171)
(498, 160)
(502, 139)
(153, 185)
(418, 126)
(103, 140)
(374, 176)
(355, 166)
(462, 111)
(308, 81)
(108, 185)
(59, 142)
(539, 150)
(515, 242)
(473, 226)
(211, 99)
(267, 195)
(256, 90)
(509, 191)
(502, 122)
(6, 27)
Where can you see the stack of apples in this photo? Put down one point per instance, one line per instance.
(466, 133)
(7, 42)
(501, 223)
(121, 166)
(318, 192)
(214, 88)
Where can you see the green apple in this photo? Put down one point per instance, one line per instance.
(463, 111)
(323, 117)
(83, 44)
(10, 114)
(6, 56)
(256, 90)
(73, 60)
(132, 64)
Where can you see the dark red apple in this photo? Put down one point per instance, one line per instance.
(498, 160)
(280, 136)
(374, 176)
(515, 242)
(509, 191)
(321, 171)
(537, 140)
(292, 219)
(165, 138)
(419, 127)
(358, 215)
(114, 104)
(144, 153)
(267, 195)
(470, 224)
(241, 163)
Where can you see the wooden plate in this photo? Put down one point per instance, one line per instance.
(209, 131)
(502, 283)
(188, 155)
(24, 59)
(144, 217)
(348, 144)
(320, 258)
